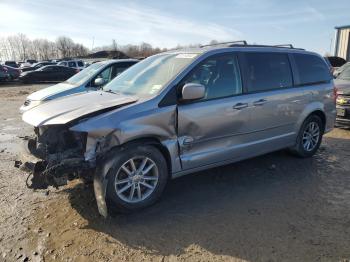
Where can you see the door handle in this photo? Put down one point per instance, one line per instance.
(260, 102)
(187, 141)
(240, 106)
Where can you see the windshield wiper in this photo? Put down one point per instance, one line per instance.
(110, 91)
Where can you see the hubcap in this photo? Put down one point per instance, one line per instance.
(311, 136)
(136, 179)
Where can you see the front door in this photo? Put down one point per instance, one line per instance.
(211, 130)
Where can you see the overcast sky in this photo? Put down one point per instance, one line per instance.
(304, 23)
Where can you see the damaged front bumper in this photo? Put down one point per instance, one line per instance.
(49, 172)
(56, 169)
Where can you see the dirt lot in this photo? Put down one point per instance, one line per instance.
(271, 208)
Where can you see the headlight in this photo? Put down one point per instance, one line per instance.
(343, 100)
(28, 104)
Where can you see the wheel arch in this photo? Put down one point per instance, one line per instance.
(153, 141)
(315, 108)
(321, 115)
(105, 162)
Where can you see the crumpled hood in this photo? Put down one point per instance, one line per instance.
(66, 109)
(50, 91)
(343, 86)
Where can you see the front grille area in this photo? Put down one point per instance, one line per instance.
(343, 100)
(343, 107)
(58, 139)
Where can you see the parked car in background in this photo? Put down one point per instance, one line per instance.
(50, 73)
(11, 63)
(342, 84)
(91, 78)
(31, 61)
(36, 66)
(13, 73)
(336, 61)
(180, 112)
(3, 73)
(78, 64)
(23, 64)
(339, 70)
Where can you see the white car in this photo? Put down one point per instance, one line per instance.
(78, 64)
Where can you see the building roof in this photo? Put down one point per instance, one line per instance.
(343, 27)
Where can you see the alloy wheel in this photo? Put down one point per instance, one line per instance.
(311, 136)
(136, 179)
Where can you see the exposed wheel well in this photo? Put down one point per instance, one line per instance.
(321, 115)
(156, 143)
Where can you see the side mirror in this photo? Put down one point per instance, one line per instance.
(193, 91)
(99, 82)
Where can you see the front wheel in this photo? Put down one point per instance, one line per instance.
(136, 179)
(309, 137)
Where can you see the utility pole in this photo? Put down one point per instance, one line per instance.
(93, 42)
(114, 44)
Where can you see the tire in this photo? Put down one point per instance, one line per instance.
(301, 149)
(119, 201)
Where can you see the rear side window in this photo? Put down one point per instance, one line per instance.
(80, 63)
(71, 64)
(267, 71)
(312, 69)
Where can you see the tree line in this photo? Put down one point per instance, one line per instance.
(19, 48)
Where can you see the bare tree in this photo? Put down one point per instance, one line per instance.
(65, 46)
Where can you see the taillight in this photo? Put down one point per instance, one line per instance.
(335, 94)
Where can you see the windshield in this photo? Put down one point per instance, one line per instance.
(149, 76)
(85, 74)
(345, 75)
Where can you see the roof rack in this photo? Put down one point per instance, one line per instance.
(243, 43)
(285, 45)
(230, 43)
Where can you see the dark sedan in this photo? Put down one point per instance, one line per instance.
(51, 73)
(36, 66)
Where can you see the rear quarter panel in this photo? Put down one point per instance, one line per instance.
(320, 98)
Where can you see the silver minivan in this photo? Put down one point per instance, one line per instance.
(179, 112)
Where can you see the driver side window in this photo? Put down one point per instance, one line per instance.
(105, 75)
(219, 75)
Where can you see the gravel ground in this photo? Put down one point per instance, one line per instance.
(270, 208)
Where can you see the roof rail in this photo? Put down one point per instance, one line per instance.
(230, 43)
(285, 45)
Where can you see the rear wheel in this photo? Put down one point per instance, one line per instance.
(136, 179)
(309, 137)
